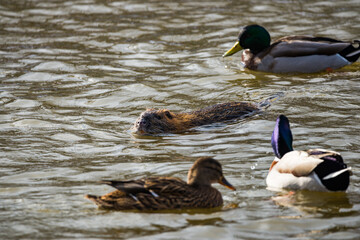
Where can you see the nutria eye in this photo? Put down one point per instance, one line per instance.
(158, 117)
(168, 114)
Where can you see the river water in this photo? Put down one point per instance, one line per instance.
(74, 76)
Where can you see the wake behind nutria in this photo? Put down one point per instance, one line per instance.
(154, 121)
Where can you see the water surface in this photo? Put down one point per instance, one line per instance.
(74, 76)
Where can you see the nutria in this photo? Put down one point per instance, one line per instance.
(154, 121)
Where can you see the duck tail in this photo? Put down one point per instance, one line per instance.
(352, 53)
(334, 175)
(337, 173)
(268, 101)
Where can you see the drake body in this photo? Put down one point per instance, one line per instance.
(163, 193)
(303, 54)
(315, 169)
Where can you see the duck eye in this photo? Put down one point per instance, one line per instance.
(168, 114)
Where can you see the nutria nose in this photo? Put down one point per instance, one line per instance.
(142, 122)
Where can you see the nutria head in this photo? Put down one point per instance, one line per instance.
(156, 121)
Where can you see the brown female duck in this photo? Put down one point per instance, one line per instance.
(162, 193)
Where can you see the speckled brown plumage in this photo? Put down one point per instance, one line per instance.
(161, 193)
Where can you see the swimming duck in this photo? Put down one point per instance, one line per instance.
(314, 169)
(302, 54)
(162, 193)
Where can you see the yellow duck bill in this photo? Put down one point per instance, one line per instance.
(233, 50)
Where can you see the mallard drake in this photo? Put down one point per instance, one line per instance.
(162, 193)
(314, 169)
(302, 54)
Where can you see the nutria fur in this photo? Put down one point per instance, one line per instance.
(154, 121)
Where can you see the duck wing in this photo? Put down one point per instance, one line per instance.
(168, 186)
(172, 193)
(147, 194)
(296, 46)
(298, 163)
(130, 187)
(152, 185)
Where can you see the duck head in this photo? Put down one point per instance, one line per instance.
(253, 37)
(206, 171)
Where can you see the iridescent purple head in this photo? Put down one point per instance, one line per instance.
(281, 139)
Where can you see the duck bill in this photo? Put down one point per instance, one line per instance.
(233, 50)
(225, 182)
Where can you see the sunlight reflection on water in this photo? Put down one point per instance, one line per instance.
(74, 76)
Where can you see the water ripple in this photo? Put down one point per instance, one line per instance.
(74, 76)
